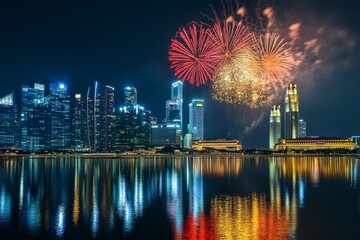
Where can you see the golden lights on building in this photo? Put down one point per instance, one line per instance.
(315, 143)
(218, 144)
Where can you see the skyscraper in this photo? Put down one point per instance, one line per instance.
(275, 126)
(80, 140)
(90, 123)
(302, 128)
(172, 112)
(35, 118)
(177, 96)
(130, 94)
(7, 121)
(104, 117)
(60, 117)
(291, 124)
(133, 128)
(196, 119)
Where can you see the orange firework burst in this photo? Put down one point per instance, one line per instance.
(273, 60)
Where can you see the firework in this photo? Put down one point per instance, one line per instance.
(272, 60)
(193, 55)
(237, 83)
(230, 39)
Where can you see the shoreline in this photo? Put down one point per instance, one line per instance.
(116, 155)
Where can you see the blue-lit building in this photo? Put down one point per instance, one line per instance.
(60, 117)
(172, 112)
(166, 135)
(130, 95)
(302, 128)
(104, 117)
(79, 124)
(177, 96)
(196, 119)
(133, 128)
(7, 122)
(35, 119)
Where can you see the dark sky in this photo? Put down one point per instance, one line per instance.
(126, 42)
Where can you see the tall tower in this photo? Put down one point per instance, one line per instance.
(177, 96)
(291, 124)
(7, 121)
(196, 119)
(130, 95)
(35, 118)
(275, 126)
(60, 117)
(104, 117)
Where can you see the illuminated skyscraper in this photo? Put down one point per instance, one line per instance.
(196, 119)
(172, 112)
(90, 123)
(133, 128)
(104, 117)
(291, 124)
(302, 128)
(130, 94)
(7, 121)
(60, 117)
(80, 124)
(275, 126)
(35, 118)
(177, 96)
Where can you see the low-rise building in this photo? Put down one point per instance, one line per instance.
(217, 144)
(315, 143)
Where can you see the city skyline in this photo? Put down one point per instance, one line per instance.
(47, 56)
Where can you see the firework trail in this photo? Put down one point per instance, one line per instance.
(193, 55)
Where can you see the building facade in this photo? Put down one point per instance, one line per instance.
(302, 128)
(177, 96)
(133, 128)
(130, 95)
(60, 117)
(35, 119)
(7, 122)
(167, 134)
(291, 123)
(196, 119)
(104, 117)
(275, 126)
(315, 143)
(217, 144)
(79, 123)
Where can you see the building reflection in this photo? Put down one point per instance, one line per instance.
(56, 196)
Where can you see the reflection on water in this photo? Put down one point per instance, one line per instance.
(195, 198)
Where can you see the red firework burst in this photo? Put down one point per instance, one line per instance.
(231, 38)
(193, 55)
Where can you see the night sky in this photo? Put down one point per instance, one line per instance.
(122, 43)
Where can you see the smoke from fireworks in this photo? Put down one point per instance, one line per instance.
(193, 56)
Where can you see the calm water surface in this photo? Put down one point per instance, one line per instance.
(180, 198)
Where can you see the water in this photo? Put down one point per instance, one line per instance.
(180, 198)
